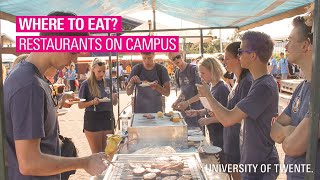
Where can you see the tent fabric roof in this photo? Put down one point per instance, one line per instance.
(211, 13)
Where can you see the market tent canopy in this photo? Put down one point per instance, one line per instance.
(192, 36)
(242, 14)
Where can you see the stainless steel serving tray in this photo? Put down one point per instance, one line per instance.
(158, 131)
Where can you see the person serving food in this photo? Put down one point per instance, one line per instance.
(151, 81)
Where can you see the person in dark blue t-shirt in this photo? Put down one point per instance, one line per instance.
(239, 91)
(292, 127)
(211, 71)
(256, 111)
(186, 77)
(148, 99)
(98, 116)
(32, 144)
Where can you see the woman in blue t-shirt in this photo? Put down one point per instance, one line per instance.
(212, 71)
(239, 91)
(98, 117)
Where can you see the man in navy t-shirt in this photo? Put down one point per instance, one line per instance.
(256, 111)
(187, 77)
(292, 127)
(148, 99)
(32, 144)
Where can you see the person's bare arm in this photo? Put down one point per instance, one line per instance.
(174, 105)
(281, 128)
(35, 163)
(83, 105)
(296, 143)
(225, 117)
(131, 84)
(164, 90)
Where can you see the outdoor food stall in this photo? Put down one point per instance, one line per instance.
(160, 146)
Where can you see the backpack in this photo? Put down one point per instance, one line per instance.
(68, 149)
(158, 69)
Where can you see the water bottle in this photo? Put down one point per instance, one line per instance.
(124, 120)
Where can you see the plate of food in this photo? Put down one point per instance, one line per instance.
(105, 99)
(62, 111)
(194, 133)
(146, 84)
(75, 100)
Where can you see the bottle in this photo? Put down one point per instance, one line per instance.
(124, 120)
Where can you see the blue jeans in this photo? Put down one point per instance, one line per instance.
(284, 76)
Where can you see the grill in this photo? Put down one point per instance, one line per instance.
(122, 171)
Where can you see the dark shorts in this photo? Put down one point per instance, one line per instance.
(98, 121)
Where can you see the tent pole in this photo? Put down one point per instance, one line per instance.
(3, 172)
(154, 14)
(314, 97)
(201, 42)
(111, 83)
(118, 91)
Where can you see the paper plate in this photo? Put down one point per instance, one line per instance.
(146, 84)
(62, 111)
(105, 99)
(194, 133)
(75, 102)
(195, 138)
(211, 149)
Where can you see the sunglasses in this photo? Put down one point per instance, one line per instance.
(101, 63)
(240, 51)
(176, 57)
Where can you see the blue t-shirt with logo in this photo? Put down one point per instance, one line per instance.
(231, 134)
(298, 110)
(261, 106)
(148, 100)
(105, 91)
(220, 92)
(188, 78)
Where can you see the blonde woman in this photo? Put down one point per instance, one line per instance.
(211, 71)
(98, 117)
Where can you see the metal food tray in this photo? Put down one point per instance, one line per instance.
(122, 171)
(139, 121)
(158, 131)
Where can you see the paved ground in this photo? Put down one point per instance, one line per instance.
(71, 125)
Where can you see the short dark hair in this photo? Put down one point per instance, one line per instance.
(282, 53)
(259, 42)
(305, 33)
(63, 13)
(232, 48)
